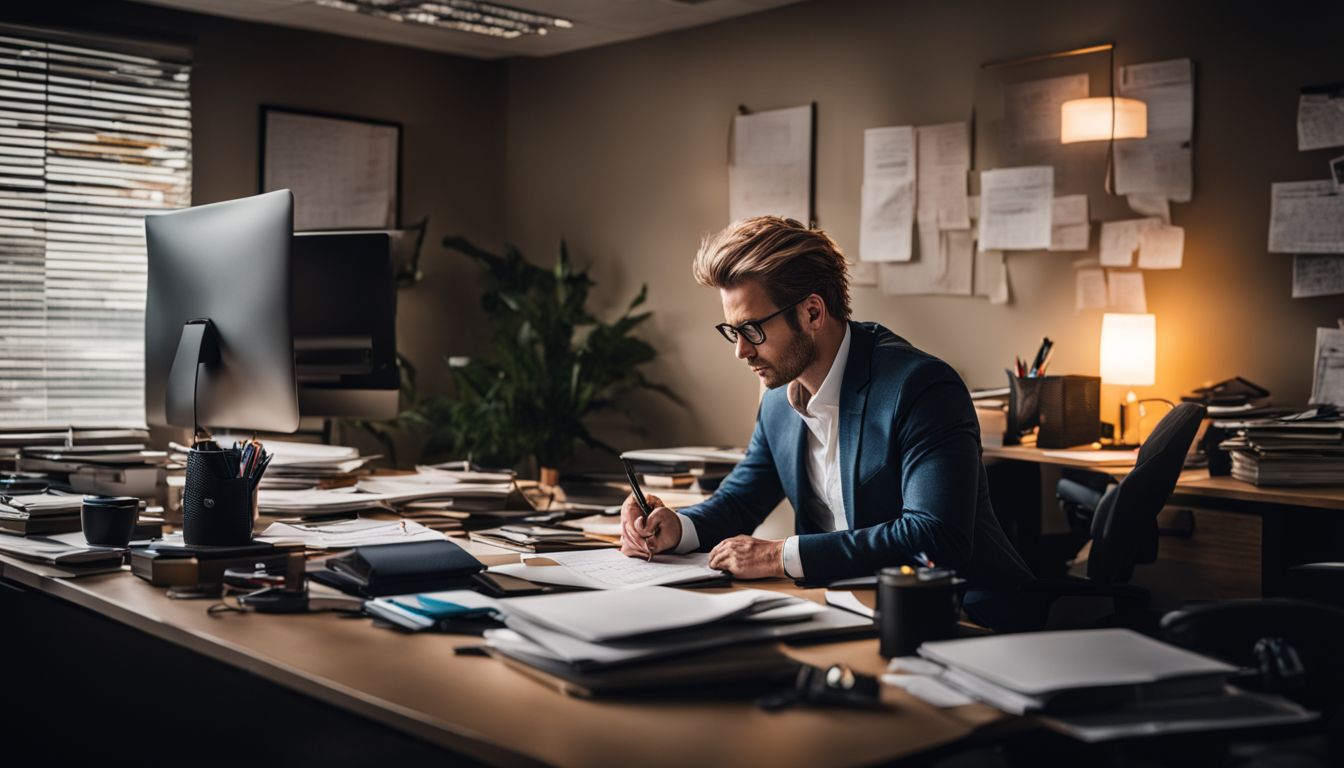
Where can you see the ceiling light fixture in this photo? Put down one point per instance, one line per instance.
(474, 16)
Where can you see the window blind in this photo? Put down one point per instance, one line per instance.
(91, 138)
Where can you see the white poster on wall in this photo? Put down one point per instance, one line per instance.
(770, 165)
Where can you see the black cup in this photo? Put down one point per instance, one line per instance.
(915, 606)
(109, 521)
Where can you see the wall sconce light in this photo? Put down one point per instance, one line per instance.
(1102, 118)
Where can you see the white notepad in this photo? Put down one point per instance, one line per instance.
(609, 569)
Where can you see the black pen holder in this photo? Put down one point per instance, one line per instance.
(1067, 409)
(217, 510)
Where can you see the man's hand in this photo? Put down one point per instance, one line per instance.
(646, 538)
(748, 558)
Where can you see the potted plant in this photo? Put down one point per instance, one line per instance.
(553, 364)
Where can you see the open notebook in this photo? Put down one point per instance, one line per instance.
(609, 569)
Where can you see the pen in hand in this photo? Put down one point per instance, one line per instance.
(643, 503)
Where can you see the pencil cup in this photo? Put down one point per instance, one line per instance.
(217, 510)
(914, 607)
(1066, 408)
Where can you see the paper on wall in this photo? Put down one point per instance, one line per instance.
(1124, 292)
(1327, 383)
(1119, 240)
(1320, 117)
(1015, 208)
(862, 273)
(886, 217)
(1090, 289)
(1152, 167)
(1031, 108)
(1069, 228)
(1317, 276)
(770, 165)
(1150, 205)
(943, 267)
(1161, 247)
(991, 276)
(1306, 217)
(1168, 88)
(944, 160)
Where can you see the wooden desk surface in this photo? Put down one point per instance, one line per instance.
(1197, 482)
(479, 707)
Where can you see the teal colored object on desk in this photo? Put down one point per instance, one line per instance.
(441, 609)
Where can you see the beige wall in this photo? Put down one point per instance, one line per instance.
(621, 150)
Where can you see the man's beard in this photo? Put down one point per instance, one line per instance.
(800, 354)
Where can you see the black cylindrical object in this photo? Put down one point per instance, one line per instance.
(109, 521)
(914, 607)
(217, 509)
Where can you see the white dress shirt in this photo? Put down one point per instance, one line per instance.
(821, 415)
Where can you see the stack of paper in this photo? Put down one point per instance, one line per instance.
(542, 538)
(127, 469)
(40, 513)
(308, 465)
(344, 534)
(609, 569)
(1289, 450)
(696, 469)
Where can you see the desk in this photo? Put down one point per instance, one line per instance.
(1298, 525)
(479, 708)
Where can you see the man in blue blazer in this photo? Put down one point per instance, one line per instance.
(874, 443)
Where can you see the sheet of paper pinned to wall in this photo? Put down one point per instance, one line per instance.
(1124, 292)
(1317, 276)
(1090, 289)
(1160, 164)
(1120, 239)
(1150, 205)
(863, 273)
(944, 265)
(944, 161)
(1306, 217)
(1320, 117)
(1327, 383)
(1161, 247)
(1069, 228)
(1031, 108)
(1015, 208)
(770, 165)
(991, 276)
(886, 216)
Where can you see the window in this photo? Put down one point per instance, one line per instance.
(93, 134)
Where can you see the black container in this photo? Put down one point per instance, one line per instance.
(1066, 408)
(217, 510)
(912, 609)
(109, 521)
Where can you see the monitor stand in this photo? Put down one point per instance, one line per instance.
(198, 345)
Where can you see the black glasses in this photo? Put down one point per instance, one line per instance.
(752, 330)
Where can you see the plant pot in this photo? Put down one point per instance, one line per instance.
(548, 476)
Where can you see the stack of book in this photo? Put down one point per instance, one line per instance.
(40, 513)
(542, 538)
(696, 469)
(124, 469)
(14, 440)
(1301, 449)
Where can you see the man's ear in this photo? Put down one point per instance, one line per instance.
(814, 308)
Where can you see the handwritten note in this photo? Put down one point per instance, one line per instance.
(1161, 247)
(886, 216)
(1015, 208)
(770, 165)
(1069, 228)
(1306, 217)
(1119, 240)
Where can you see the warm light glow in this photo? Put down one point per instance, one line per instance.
(1129, 349)
(1090, 119)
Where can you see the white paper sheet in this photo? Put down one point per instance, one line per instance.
(1015, 208)
(886, 218)
(1069, 228)
(1327, 382)
(1317, 276)
(849, 602)
(1161, 247)
(944, 160)
(1125, 292)
(1031, 109)
(1150, 205)
(1320, 120)
(1090, 289)
(1119, 240)
(1168, 88)
(609, 569)
(1306, 217)
(930, 690)
(862, 273)
(944, 266)
(991, 276)
(770, 165)
(1154, 167)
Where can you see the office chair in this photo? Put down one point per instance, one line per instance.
(1123, 526)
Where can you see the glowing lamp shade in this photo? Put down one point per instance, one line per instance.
(1091, 120)
(1129, 349)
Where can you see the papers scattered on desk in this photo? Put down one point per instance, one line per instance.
(1301, 449)
(849, 602)
(344, 534)
(427, 489)
(1100, 458)
(78, 558)
(541, 539)
(609, 569)
(300, 466)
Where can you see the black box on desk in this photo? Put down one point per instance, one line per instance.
(1067, 409)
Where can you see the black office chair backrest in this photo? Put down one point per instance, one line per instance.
(1124, 528)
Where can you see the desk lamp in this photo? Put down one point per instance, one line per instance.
(1128, 358)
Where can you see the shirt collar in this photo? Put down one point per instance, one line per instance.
(829, 392)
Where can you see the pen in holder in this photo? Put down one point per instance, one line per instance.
(219, 504)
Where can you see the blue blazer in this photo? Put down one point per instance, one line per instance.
(910, 469)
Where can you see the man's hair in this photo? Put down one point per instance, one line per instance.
(789, 260)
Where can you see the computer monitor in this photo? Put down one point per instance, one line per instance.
(219, 350)
(345, 324)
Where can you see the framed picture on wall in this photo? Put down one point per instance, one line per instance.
(344, 171)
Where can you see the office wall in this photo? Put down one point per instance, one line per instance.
(451, 110)
(621, 150)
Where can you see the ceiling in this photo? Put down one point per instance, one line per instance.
(596, 22)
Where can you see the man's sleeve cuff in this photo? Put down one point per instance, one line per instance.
(690, 540)
(793, 562)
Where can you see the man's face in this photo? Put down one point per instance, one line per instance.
(785, 353)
